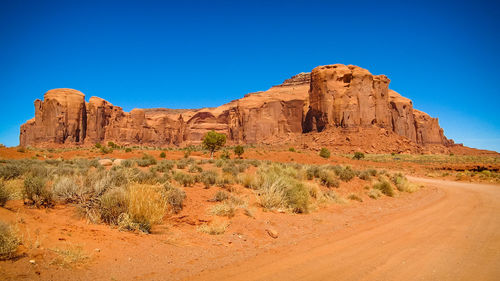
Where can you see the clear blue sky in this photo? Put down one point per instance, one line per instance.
(189, 54)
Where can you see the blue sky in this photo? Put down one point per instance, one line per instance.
(189, 54)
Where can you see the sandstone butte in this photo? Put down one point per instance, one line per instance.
(334, 105)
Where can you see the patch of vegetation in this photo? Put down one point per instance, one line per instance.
(213, 141)
(9, 241)
(385, 187)
(112, 204)
(163, 154)
(184, 179)
(374, 193)
(146, 205)
(146, 160)
(291, 149)
(174, 197)
(239, 150)
(354, 197)
(324, 152)
(36, 193)
(71, 255)
(358, 155)
(214, 228)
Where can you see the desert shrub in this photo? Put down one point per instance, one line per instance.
(346, 174)
(224, 180)
(314, 190)
(98, 145)
(364, 175)
(358, 155)
(219, 163)
(106, 150)
(208, 178)
(4, 194)
(128, 149)
(195, 169)
(239, 150)
(312, 172)
(184, 179)
(328, 178)
(9, 241)
(112, 204)
(36, 193)
(332, 196)
(146, 205)
(385, 187)
(402, 183)
(225, 154)
(224, 209)
(291, 149)
(163, 155)
(220, 196)
(21, 149)
(65, 189)
(174, 197)
(11, 171)
(324, 152)
(374, 193)
(112, 144)
(254, 162)
(214, 228)
(164, 166)
(146, 160)
(354, 197)
(247, 180)
(298, 198)
(149, 177)
(230, 168)
(181, 164)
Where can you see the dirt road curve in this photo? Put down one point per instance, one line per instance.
(457, 238)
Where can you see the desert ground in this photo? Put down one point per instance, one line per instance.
(379, 217)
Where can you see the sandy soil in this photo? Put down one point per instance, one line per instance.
(455, 238)
(446, 231)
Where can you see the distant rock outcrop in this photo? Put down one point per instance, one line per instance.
(332, 96)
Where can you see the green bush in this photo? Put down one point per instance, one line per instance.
(36, 193)
(106, 150)
(225, 154)
(291, 149)
(239, 150)
(325, 153)
(358, 155)
(195, 169)
(163, 155)
(128, 149)
(98, 145)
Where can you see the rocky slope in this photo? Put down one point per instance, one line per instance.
(335, 98)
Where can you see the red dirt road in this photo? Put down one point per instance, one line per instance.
(455, 238)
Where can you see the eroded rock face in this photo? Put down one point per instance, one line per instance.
(351, 97)
(60, 118)
(340, 96)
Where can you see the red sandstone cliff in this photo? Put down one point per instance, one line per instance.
(332, 96)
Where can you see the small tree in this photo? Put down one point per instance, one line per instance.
(239, 150)
(213, 141)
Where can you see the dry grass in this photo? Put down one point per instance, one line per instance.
(9, 241)
(70, 256)
(146, 205)
(214, 228)
(374, 193)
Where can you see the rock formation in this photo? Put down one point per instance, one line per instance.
(332, 96)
